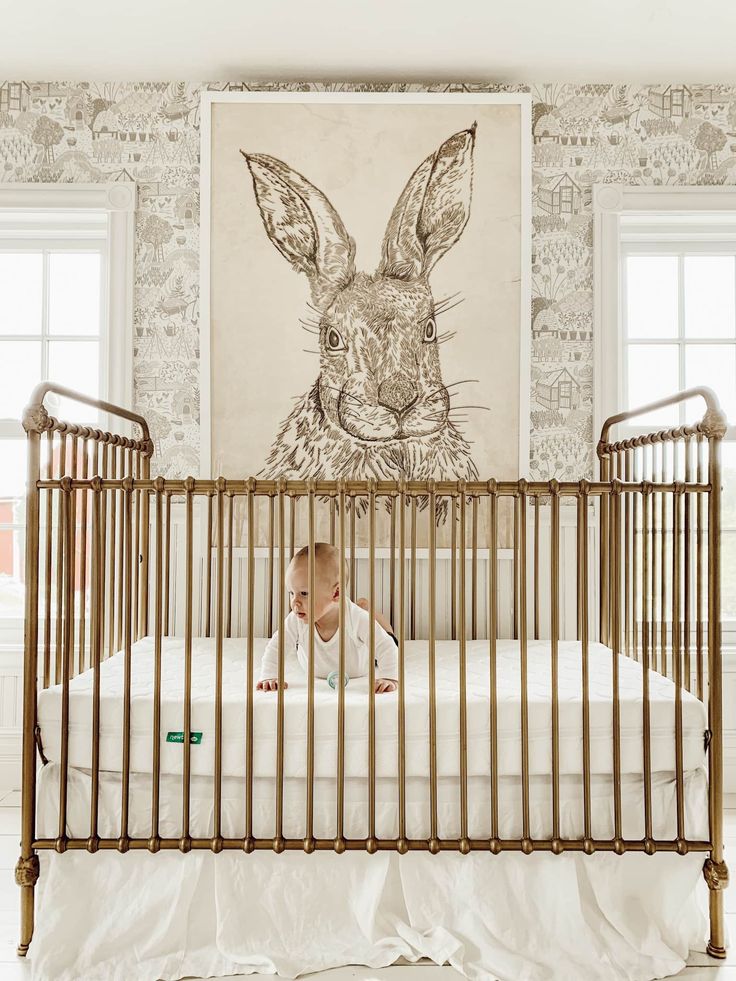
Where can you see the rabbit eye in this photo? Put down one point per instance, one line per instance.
(430, 331)
(334, 340)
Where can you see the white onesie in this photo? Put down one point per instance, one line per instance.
(327, 652)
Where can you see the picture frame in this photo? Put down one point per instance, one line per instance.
(251, 297)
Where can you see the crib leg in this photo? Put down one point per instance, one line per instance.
(716, 875)
(26, 876)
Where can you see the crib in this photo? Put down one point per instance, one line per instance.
(147, 600)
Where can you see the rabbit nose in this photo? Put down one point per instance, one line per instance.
(397, 393)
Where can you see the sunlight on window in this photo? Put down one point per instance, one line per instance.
(653, 375)
(21, 292)
(651, 284)
(710, 295)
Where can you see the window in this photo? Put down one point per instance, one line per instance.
(65, 315)
(666, 319)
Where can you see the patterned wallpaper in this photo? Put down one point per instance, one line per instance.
(582, 134)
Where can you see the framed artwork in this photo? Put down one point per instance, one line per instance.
(366, 284)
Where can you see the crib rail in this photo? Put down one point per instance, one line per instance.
(101, 575)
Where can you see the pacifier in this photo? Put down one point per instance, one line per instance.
(333, 679)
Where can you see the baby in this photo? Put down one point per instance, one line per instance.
(326, 622)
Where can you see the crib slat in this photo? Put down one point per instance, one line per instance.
(309, 842)
(520, 513)
(474, 569)
(157, 642)
(208, 571)
(167, 566)
(492, 632)
(554, 654)
(686, 565)
(340, 831)
(81, 664)
(463, 676)
(372, 667)
(96, 609)
(66, 612)
(413, 570)
(699, 568)
(104, 496)
(432, 574)
(656, 549)
(230, 552)
(677, 653)
(402, 680)
(119, 550)
(185, 841)
(135, 470)
(646, 715)
(128, 655)
(615, 651)
(61, 556)
(219, 632)
(279, 831)
(49, 566)
(249, 733)
(663, 515)
(582, 558)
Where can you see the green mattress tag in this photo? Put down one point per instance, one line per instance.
(178, 737)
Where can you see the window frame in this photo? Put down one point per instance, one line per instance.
(53, 216)
(698, 216)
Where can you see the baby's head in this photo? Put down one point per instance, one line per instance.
(326, 580)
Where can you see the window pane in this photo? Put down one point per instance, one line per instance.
(713, 365)
(20, 370)
(75, 364)
(12, 489)
(651, 296)
(21, 292)
(74, 293)
(710, 295)
(653, 374)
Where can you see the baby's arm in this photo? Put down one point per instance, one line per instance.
(387, 671)
(270, 661)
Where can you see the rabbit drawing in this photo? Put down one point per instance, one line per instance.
(379, 407)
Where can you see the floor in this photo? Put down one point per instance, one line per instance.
(12, 968)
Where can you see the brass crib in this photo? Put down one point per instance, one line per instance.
(98, 577)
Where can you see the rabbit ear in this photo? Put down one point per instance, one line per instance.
(303, 226)
(432, 210)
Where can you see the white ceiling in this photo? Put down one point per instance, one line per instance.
(359, 40)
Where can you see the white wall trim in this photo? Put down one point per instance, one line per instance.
(522, 99)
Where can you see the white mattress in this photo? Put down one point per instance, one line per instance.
(662, 714)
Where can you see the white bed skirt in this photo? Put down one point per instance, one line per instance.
(142, 917)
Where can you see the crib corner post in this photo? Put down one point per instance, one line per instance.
(26, 876)
(715, 874)
(35, 421)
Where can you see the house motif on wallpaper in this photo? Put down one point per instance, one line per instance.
(671, 101)
(558, 390)
(563, 196)
(77, 110)
(15, 96)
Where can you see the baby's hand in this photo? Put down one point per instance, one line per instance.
(385, 684)
(270, 684)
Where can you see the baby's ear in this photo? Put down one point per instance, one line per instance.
(303, 226)
(432, 210)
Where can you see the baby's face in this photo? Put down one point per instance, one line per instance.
(297, 582)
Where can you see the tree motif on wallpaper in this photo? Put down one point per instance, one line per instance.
(379, 407)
